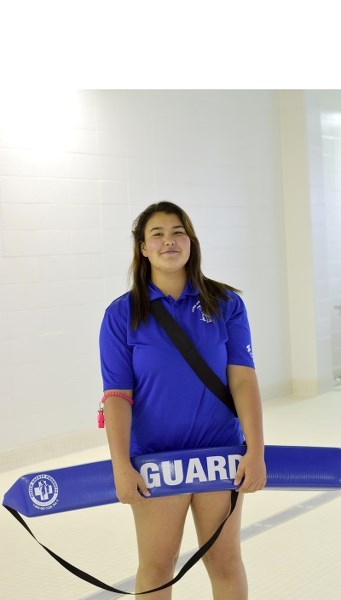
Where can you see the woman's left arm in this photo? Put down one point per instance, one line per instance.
(244, 388)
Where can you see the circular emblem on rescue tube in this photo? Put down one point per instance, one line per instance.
(43, 491)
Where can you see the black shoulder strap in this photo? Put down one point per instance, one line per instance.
(104, 586)
(191, 354)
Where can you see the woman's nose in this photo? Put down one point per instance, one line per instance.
(169, 241)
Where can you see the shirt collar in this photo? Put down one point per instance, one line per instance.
(155, 292)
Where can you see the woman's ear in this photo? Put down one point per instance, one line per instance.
(143, 249)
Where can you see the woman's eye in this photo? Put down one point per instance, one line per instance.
(160, 233)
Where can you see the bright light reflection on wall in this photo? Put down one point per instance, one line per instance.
(38, 119)
(331, 138)
(333, 119)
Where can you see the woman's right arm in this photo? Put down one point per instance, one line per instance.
(128, 481)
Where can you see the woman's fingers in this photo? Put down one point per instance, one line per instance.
(251, 474)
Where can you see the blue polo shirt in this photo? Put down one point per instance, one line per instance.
(172, 407)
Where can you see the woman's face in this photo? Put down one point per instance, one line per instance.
(166, 243)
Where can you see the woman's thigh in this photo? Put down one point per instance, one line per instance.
(159, 524)
(209, 510)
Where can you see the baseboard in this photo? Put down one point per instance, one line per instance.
(34, 452)
(278, 390)
(303, 388)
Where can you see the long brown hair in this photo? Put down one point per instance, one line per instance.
(210, 291)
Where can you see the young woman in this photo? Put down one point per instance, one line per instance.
(154, 402)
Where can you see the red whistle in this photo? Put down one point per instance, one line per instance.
(100, 419)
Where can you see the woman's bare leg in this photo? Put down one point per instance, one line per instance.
(159, 526)
(223, 561)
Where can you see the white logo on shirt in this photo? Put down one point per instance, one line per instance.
(249, 349)
(205, 318)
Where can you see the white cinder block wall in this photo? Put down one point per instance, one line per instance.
(75, 170)
(330, 118)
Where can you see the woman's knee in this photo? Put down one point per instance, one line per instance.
(159, 565)
(220, 565)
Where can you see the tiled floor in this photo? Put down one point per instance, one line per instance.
(291, 540)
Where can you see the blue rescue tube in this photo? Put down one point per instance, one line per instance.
(177, 472)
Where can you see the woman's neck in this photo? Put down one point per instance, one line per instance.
(170, 285)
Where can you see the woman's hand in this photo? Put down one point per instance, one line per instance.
(252, 472)
(130, 486)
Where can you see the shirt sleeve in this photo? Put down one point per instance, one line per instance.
(239, 344)
(115, 354)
